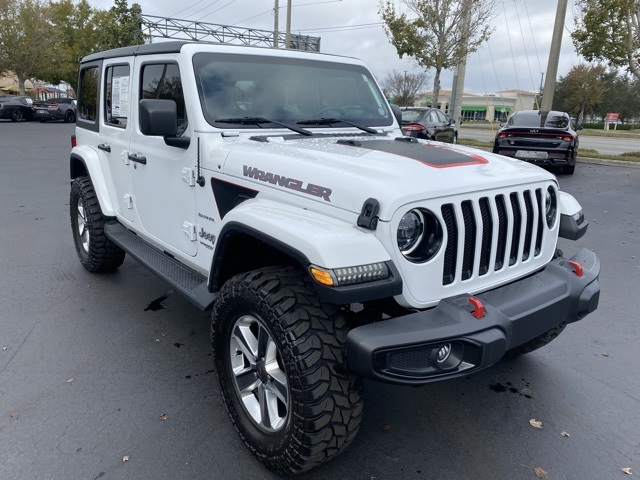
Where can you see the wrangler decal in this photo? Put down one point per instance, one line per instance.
(286, 182)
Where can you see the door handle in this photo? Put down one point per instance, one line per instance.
(137, 158)
(105, 147)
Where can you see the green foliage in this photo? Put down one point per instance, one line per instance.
(47, 41)
(582, 89)
(438, 34)
(609, 30)
(25, 38)
(600, 126)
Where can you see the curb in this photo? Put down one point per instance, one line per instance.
(613, 163)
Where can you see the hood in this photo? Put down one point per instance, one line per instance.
(346, 171)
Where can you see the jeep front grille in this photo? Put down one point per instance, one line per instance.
(504, 224)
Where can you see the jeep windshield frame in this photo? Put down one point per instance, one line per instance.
(287, 90)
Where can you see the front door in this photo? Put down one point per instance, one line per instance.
(163, 186)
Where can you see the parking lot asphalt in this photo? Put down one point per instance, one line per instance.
(102, 379)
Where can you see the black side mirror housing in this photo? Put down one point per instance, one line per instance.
(158, 117)
(578, 128)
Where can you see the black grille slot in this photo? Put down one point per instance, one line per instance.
(469, 239)
(517, 220)
(529, 228)
(449, 270)
(487, 235)
(540, 220)
(502, 231)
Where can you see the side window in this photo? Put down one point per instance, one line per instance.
(88, 94)
(162, 81)
(433, 117)
(441, 117)
(116, 95)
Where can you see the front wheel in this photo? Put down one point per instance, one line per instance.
(279, 360)
(17, 115)
(96, 252)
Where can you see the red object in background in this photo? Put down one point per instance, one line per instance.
(611, 117)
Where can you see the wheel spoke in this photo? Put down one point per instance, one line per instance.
(264, 406)
(246, 340)
(263, 341)
(247, 380)
(278, 385)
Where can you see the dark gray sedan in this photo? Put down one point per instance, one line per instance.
(429, 124)
(542, 137)
(16, 108)
(55, 109)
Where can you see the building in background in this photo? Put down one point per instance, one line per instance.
(491, 108)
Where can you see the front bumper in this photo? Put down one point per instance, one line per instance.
(404, 350)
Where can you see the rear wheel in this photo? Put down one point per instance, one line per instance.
(96, 252)
(568, 169)
(537, 342)
(69, 117)
(279, 360)
(17, 115)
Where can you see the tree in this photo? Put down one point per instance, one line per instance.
(583, 89)
(403, 89)
(25, 38)
(609, 30)
(440, 33)
(119, 26)
(75, 37)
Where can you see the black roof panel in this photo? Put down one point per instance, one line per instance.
(145, 49)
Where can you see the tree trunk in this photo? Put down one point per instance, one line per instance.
(21, 80)
(436, 88)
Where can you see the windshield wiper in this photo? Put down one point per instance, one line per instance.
(329, 121)
(260, 120)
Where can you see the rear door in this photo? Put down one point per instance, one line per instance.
(115, 131)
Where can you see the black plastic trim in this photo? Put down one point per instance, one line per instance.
(337, 295)
(514, 314)
(570, 229)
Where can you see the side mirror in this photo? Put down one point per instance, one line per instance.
(502, 125)
(158, 117)
(578, 128)
(397, 113)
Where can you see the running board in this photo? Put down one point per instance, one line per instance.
(185, 280)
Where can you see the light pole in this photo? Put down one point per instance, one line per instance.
(276, 9)
(288, 35)
(554, 57)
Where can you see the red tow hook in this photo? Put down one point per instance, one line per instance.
(478, 311)
(577, 268)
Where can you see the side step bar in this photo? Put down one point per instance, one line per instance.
(188, 282)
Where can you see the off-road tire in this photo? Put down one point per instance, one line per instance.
(568, 169)
(324, 401)
(101, 254)
(536, 343)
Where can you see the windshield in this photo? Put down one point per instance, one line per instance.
(235, 87)
(539, 120)
(411, 115)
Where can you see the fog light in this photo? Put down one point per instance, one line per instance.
(444, 352)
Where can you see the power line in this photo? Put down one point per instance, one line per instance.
(343, 28)
(217, 10)
(185, 9)
(284, 6)
(203, 8)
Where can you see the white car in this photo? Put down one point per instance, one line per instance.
(276, 187)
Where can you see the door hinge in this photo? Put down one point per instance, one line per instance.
(189, 176)
(190, 230)
(128, 200)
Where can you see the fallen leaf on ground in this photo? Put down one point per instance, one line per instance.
(535, 423)
(157, 339)
(605, 354)
(627, 470)
(4, 348)
(163, 416)
(70, 380)
(125, 458)
(14, 415)
(386, 427)
(565, 434)
(540, 473)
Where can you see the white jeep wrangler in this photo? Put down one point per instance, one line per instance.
(277, 188)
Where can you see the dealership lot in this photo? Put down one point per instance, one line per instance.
(98, 368)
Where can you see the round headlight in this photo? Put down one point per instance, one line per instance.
(419, 235)
(410, 231)
(550, 206)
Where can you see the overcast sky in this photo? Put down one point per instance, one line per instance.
(514, 57)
